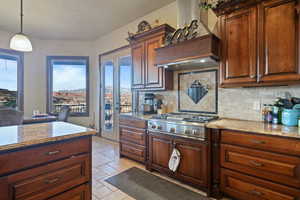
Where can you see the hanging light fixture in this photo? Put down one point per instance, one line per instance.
(20, 41)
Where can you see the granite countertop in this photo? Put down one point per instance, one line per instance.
(137, 115)
(256, 127)
(12, 137)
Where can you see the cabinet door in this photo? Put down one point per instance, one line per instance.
(279, 41)
(138, 55)
(239, 47)
(193, 165)
(160, 149)
(154, 75)
(80, 193)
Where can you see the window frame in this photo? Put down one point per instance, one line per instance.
(50, 83)
(20, 74)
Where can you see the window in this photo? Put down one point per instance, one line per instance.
(125, 85)
(11, 79)
(68, 84)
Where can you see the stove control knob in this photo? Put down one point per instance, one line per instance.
(194, 132)
(187, 132)
(153, 126)
(159, 127)
(172, 130)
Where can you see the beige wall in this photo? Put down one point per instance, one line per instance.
(35, 62)
(35, 71)
(117, 38)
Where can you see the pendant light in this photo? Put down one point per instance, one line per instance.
(20, 41)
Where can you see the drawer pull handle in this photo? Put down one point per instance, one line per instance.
(50, 153)
(257, 193)
(258, 142)
(256, 164)
(51, 181)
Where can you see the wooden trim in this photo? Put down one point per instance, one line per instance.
(50, 82)
(20, 73)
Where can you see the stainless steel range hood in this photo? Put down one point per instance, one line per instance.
(202, 51)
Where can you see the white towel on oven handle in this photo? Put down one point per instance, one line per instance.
(174, 160)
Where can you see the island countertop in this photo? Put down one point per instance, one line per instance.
(13, 137)
(256, 127)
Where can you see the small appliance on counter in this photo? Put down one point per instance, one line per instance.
(150, 104)
(290, 116)
(284, 111)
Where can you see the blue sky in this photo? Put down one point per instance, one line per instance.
(69, 77)
(8, 74)
(125, 76)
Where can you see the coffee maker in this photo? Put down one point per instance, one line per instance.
(150, 104)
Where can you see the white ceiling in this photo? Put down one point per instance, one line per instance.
(73, 19)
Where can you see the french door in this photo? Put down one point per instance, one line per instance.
(116, 94)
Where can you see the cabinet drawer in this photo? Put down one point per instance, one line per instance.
(49, 180)
(244, 187)
(132, 122)
(133, 135)
(80, 193)
(276, 167)
(22, 159)
(268, 143)
(133, 151)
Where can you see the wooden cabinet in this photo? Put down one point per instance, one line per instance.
(194, 161)
(133, 138)
(45, 178)
(160, 149)
(260, 44)
(245, 187)
(146, 75)
(138, 71)
(80, 193)
(194, 158)
(255, 166)
(279, 41)
(239, 47)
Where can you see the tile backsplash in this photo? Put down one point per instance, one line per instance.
(237, 103)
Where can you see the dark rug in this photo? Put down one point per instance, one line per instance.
(142, 185)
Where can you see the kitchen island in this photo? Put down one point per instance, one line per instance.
(45, 161)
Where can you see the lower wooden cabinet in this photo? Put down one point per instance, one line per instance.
(52, 177)
(160, 149)
(258, 167)
(193, 167)
(133, 138)
(245, 187)
(82, 192)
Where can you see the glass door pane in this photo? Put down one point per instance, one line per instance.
(125, 93)
(108, 96)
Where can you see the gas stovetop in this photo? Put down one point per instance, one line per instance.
(185, 117)
(181, 124)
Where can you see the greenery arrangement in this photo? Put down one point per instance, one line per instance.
(211, 4)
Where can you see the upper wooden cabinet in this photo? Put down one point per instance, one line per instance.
(146, 75)
(279, 41)
(239, 47)
(260, 44)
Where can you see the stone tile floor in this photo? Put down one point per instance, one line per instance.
(106, 163)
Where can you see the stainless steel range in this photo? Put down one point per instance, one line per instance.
(180, 124)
